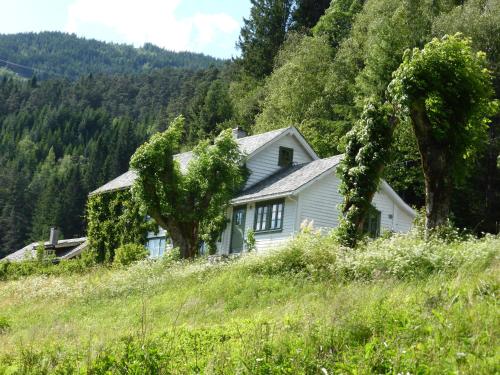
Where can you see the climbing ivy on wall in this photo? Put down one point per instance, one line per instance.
(114, 219)
(367, 150)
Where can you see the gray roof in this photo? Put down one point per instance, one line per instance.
(287, 181)
(248, 145)
(29, 251)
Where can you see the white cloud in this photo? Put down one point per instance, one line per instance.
(154, 21)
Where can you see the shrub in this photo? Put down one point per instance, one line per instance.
(16, 270)
(401, 256)
(129, 253)
(4, 325)
(250, 240)
(309, 254)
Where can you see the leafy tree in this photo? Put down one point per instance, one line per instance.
(337, 21)
(294, 94)
(306, 13)
(367, 151)
(476, 202)
(298, 92)
(262, 35)
(446, 90)
(182, 201)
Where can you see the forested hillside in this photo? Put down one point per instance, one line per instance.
(61, 139)
(306, 63)
(56, 54)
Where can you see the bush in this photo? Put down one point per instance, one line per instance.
(4, 325)
(401, 256)
(310, 254)
(129, 253)
(16, 270)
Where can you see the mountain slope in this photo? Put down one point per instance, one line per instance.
(59, 54)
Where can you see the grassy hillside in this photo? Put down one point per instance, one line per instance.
(55, 54)
(397, 305)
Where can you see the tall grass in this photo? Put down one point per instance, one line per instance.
(396, 305)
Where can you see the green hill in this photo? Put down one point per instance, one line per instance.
(55, 54)
(397, 306)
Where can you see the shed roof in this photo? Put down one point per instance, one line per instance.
(29, 251)
(287, 181)
(248, 145)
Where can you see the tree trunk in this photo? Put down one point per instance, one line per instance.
(437, 170)
(185, 237)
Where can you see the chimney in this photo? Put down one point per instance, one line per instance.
(54, 235)
(239, 133)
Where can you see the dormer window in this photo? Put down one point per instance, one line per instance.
(285, 158)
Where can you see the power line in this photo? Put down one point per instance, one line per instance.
(34, 70)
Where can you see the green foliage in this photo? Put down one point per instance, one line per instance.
(62, 139)
(336, 23)
(55, 54)
(367, 151)
(404, 257)
(250, 240)
(114, 219)
(128, 253)
(306, 13)
(453, 85)
(185, 202)
(396, 305)
(262, 35)
(299, 90)
(19, 270)
(446, 90)
(294, 94)
(4, 325)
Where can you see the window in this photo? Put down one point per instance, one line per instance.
(371, 226)
(269, 216)
(285, 158)
(156, 246)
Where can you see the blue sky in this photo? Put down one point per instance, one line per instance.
(208, 26)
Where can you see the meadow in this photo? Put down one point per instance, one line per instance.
(397, 305)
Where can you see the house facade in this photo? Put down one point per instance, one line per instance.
(288, 184)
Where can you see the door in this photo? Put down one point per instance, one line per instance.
(238, 229)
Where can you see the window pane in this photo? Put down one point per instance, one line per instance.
(258, 223)
(274, 216)
(279, 216)
(265, 217)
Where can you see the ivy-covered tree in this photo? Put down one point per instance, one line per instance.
(445, 89)
(367, 151)
(114, 219)
(181, 201)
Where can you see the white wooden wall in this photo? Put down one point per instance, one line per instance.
(265, 163)
(264, 241)
(320, 203)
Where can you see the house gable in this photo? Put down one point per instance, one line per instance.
(264, 161)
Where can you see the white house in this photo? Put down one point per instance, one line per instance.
(288, 184)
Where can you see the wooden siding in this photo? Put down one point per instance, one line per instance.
(263, 241)
(265, 163)
(320, 203)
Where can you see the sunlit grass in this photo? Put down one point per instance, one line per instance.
(397, 305)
